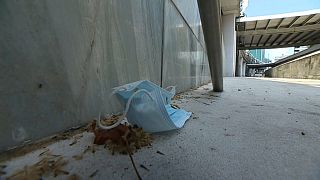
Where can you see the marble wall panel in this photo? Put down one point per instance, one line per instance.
(184, 57)
(190, 11)
(59, 61)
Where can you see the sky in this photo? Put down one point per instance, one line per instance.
(270, 7)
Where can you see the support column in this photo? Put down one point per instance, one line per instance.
(244, 69)
(229, 42)
(210, 13)
(238, 64)
(240, 67)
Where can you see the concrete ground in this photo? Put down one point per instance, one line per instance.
(256, 129)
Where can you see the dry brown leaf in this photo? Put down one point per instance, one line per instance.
(136, 138)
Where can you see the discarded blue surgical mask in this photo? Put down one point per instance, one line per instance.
(126, 91)
(148, 106)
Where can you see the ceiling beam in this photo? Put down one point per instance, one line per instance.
(294, 37)
(267, 24)
(307, 20)
(315, 37)
(255, 26)
(316, 41)
(281, 30)
(285, 38)
(293, 21)
(275, 39)
(259, 40)
(267, 40)
(251, 40)
(279, 24)
(306, 36)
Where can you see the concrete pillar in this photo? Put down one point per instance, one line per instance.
(244, 69)
(240, 67)
(229, 41)
(210, 13)
(239, 64)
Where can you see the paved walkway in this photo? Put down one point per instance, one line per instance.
(255, 129)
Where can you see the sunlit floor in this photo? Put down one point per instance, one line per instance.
(256, 129)
(309, 82)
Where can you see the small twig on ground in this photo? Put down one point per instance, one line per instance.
(201, 102)
(160, 153)
(73, 142)
(44, 152)
(144, 167)
(133, 164)
(94, 173)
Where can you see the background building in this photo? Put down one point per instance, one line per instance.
(260, 55)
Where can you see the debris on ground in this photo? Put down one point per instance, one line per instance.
(177, 97)
(124, 139)
(74, 177)
(257, 105)
(78, 157)
(75, 139)
(226, 118)
(94, 173)
(175, 106)
(159, 152)
(213, 149)
(42, 143)
(108, 121)
(73, 142)
(202, 102)
(227, 134)
(239, 89)
(118, 137)
(49, 165)
(144, 167)
(2, 172)
(213, 95)
(302, 133)
(44, 152)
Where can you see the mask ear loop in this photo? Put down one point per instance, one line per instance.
(124, 115)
